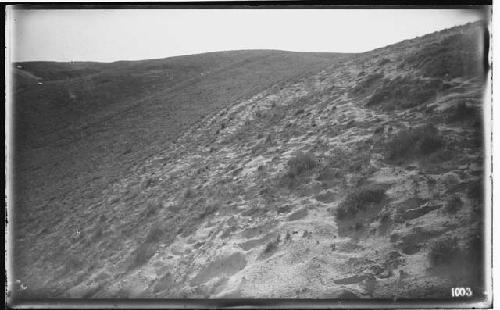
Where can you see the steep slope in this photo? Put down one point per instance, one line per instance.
(357, 179)
(76, 137)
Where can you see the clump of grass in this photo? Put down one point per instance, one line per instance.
(408, 143)
(404, 92)
(443, 251)
(458, 55)
(475, 191)
(368, 83)
(189, 193)
(383, 61)
(299, 111)
(270, 248)
(73, 264)
(149, 182)
(151, 208)
(148, 247)
(299, 166)
(301, 163)
(328, 174)
(154, 234)
(358, 200)
(207, 210)
(453, 204)
(461, 112)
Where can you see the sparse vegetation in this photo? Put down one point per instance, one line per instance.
(458, 55)
(358, 200)
(301, 163)
(368, 84)
(443, 251)
(475, 190)
(189, 193)
(413, 142)
(228, 189)
(270, 248)
(404, 92)
(461, 112)
(453, 204)
(148, 247)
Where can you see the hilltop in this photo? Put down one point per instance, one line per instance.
(263, 173)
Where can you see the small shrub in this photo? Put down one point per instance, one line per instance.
(148, 247)
(149, 182)
(151, 208)
(358, 200)
(367, 84)
(404, 92)
(443, 251)
(73, 264)
(328, 174)
(458, 55)
(154, 234)
(301, 163)
(384, 61)
(408, 143)
(142, 254)
(207, 210)
(475, 191)
(189, 193)
(461, 112)
(300, 111)
(453, 204)
(271, 247)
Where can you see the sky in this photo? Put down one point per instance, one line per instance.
(133, 34)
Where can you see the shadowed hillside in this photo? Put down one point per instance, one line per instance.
(263, 174)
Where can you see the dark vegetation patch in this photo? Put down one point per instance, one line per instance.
(412, 241)
(462, 261)
(326, 197)
(476, 190)
(358, 200)
(284, 209)
(443, 251)
(462, 112)
(158, 232)
(328, 174)
(414, 142)
(270, 248)
(368, 84)
(453, 204)
(383, 61)
(458, 55)
(299, 166)
(404, 92)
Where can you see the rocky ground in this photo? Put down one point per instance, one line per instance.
(362, 180)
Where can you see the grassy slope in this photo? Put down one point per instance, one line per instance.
(224, 186)
(69, 149)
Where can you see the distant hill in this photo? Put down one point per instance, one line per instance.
(255, 173)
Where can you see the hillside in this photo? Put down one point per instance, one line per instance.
(262, 174)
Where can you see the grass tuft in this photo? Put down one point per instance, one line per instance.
(443, 251)
(409, 143)
(301, 163)
(358, 200)
(453, 204)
